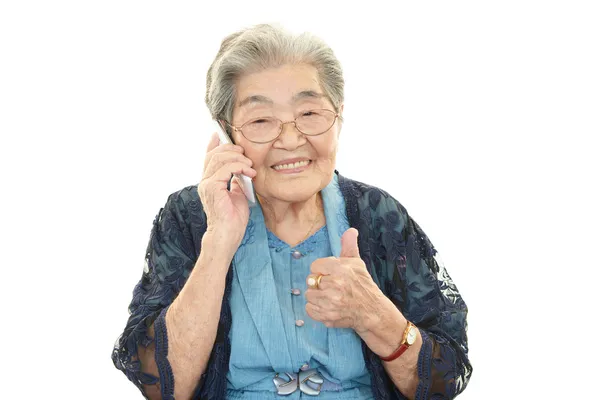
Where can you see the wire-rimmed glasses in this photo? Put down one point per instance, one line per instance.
(266, 129)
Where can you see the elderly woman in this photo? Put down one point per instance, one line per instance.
(323, 286)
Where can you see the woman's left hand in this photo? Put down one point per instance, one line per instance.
(347, 296)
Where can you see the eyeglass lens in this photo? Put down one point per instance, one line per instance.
(312, 122)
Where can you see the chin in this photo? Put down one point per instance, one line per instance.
(295, 192)
(292, 191)
(294, 188)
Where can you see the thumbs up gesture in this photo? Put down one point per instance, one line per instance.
(346, 296)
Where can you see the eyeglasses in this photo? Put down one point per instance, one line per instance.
(267, 129)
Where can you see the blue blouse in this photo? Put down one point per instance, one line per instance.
(267, 300)
(250, 376)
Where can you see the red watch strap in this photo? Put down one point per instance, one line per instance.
(397, 353)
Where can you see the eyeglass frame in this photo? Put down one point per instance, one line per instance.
(239, 128)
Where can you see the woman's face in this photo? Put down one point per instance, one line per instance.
(286, 92)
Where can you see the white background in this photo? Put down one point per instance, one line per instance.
(481, 118)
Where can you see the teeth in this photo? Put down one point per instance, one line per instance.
(290, 166)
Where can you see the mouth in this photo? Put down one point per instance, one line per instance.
(292, 166)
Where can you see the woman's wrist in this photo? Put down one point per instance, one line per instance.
(383, 331)
(377, 314)
(222, 242)
(218, 248)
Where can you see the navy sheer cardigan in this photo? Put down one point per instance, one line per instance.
(397, 253)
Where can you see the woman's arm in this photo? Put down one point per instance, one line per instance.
(437, 363)
(175, 310)
(390, 276)
(422, 290)
(192, 319)
(433, 303)
(191, 324)
(409, 273)
(383, 336)
(168, 339)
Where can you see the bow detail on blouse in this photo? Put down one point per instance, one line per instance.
(309, 382)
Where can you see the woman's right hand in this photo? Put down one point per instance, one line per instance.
(227, 211)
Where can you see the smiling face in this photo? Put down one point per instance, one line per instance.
(294, 166)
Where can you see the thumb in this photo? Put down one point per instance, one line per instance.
(350, 243)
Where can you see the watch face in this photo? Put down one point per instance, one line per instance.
(412, 335)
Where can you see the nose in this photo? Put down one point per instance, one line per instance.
(290, 138)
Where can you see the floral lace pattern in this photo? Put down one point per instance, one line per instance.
(402, 261)
(398, 255)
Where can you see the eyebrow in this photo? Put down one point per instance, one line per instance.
(255, 99)
(265, 100)
(307, 94)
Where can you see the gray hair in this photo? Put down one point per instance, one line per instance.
(268, 46)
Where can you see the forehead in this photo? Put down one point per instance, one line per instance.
(278, 86)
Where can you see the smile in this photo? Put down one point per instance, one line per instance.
(298, 164)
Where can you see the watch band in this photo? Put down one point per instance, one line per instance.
(403, 344)
(403, 347)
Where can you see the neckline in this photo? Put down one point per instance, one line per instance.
(306, 246)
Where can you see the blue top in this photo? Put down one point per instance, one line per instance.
(397, 253)
(249, 366)
(271, 332)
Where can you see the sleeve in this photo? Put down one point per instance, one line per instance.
(428, 297)
(168, 261)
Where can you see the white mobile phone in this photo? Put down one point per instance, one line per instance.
(244, 181)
